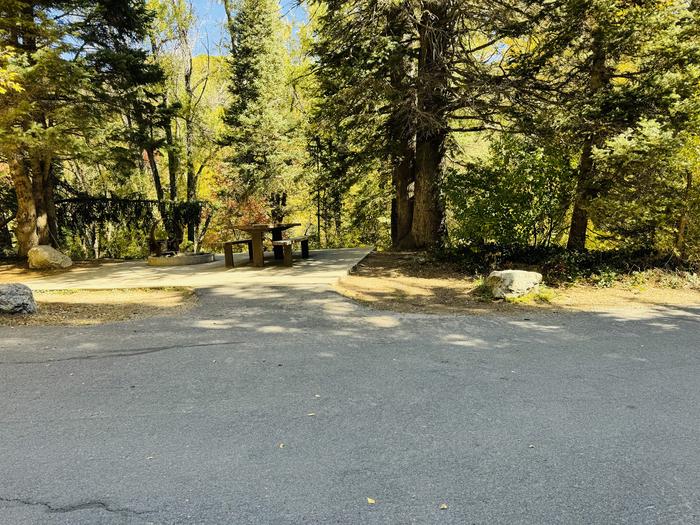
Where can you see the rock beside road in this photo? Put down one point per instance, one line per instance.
(507, 284)
(47, 258)
(16, 299)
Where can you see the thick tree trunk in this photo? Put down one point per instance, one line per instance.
(435, 31)
(25, 229)
(402, 128)
(579, 217)
(428, 213)
(42, 188)
(50, 203)
(585, 185)
(402, 206)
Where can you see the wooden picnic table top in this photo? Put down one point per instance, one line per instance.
(266, 227)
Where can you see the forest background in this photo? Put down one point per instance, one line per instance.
(470, 128)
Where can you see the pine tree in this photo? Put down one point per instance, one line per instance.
(590, 71)
(256, 117)
(73, 62)
(410, 74)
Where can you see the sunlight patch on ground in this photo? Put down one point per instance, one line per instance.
(93, 307)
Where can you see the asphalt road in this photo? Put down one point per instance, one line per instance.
(290, 405)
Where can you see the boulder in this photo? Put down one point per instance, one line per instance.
(16, 299)
(512, 283)
(47, 258)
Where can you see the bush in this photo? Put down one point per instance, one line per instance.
(519, 196)
(559, 266)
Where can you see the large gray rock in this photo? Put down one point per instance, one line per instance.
(512, 283)
(16, 299)
(47, 258)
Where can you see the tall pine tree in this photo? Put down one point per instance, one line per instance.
(74, 61)
(256, 116)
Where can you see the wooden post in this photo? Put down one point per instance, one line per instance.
(258, 249)
(228, 254)
(287, 254)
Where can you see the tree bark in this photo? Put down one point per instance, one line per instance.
(173, 161)
(578, 230)
(585, 190)
(230, 15)
(402, 217)
(160, 194)
(684, 221)
(189, 148)
(427, 230)
(25, 229)
(49, 202)
(5, 235)
(402, 128)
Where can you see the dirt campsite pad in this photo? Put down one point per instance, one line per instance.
(92, 307)
(412, 283)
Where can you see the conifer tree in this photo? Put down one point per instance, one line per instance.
(256, 116)
(72, 63)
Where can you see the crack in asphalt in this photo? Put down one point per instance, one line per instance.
(91, 504)
(127, 353)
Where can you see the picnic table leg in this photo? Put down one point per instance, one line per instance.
(258, 249)
(279, 250)
(228, 254)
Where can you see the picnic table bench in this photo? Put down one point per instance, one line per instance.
(288, 244)
(228, 251)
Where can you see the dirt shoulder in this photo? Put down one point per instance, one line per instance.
(411, 283)
(11, 272)
(93, 307)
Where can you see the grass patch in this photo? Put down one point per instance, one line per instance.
(542, 295)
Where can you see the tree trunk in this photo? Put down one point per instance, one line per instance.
(435, 32)
(25, 229)
(173, 161)
(684, 220)
(585, 190)
(189, 145)
(42, 222)
(402, 208)
(402, 127)
(160, 195)
(230, 15)
(49, 202)
(5, 235)
(579, 217)
(427, 228)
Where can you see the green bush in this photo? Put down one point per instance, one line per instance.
(559, 266)
(521, 195)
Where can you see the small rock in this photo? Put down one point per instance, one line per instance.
(512, 283)
(47, 258)
(16, 299)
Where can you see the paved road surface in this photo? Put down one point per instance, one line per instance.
(283, 403)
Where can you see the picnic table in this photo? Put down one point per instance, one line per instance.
(257, 231)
